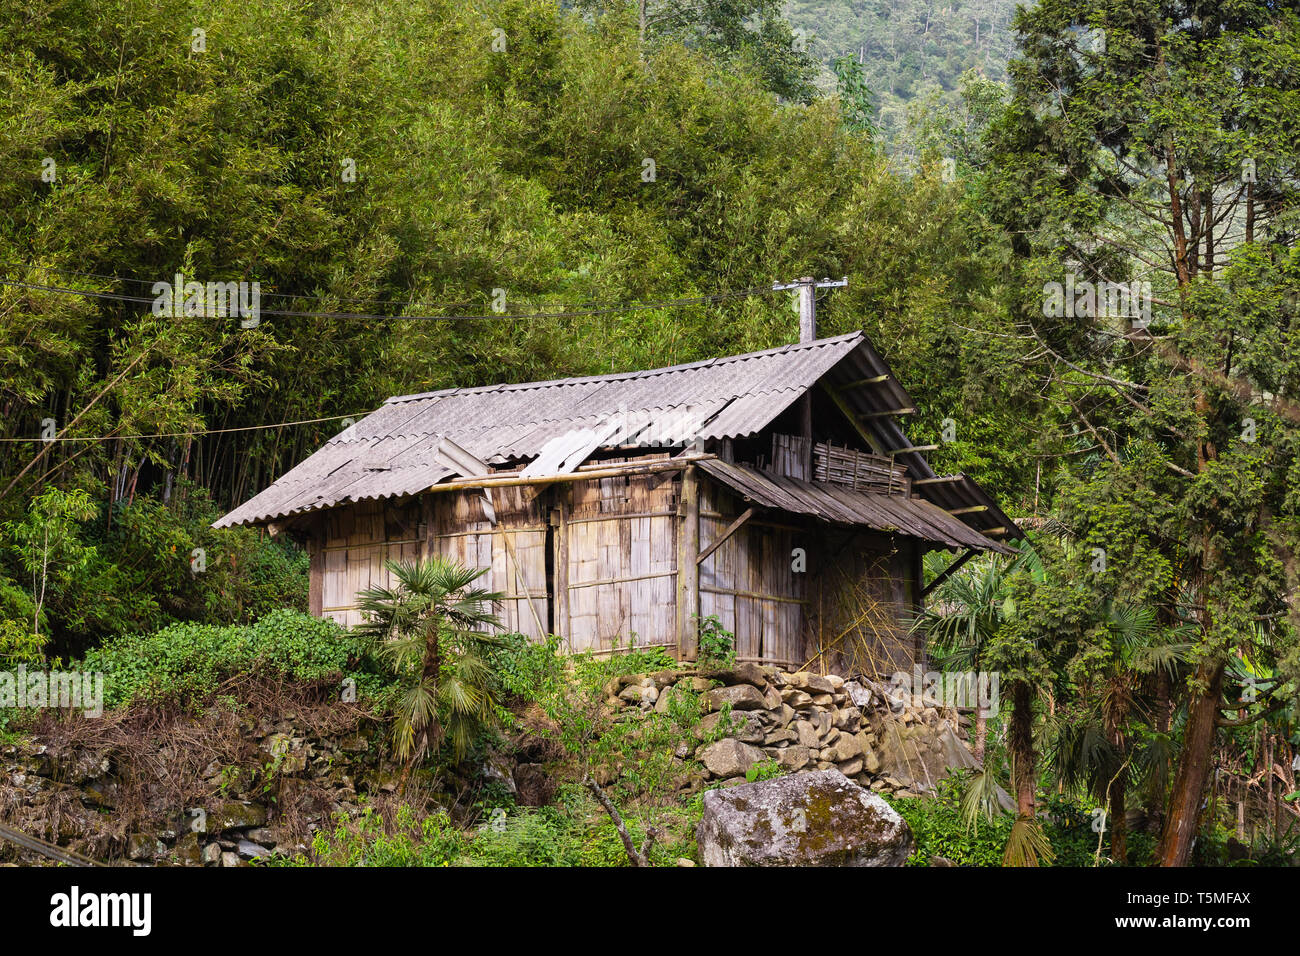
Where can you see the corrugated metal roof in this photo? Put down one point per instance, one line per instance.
(841, 504)
(394, 451)
(725, 397)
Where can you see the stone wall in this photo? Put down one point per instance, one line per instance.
(217, 794)
(808, 721)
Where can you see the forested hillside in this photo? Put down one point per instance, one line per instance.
(1084, 275)
(913, 53)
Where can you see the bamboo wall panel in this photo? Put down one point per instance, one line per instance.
(358, 540)
(748, 582)
(613, 547)
(620, 562)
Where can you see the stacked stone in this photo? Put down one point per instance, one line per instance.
(807, 721)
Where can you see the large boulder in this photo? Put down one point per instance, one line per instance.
(819, 818)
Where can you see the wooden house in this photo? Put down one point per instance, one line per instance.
(774, 490)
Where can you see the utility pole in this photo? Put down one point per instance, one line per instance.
(808, 287)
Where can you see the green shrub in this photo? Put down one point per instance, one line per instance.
(185, 663)
(940, 830)
(717, 645)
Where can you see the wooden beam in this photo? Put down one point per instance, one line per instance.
(688, 572)
(935, 481)
(852, 416)
(874, 380)
(948, 571)
(892, 411)
(914, 448)
(613, 471)
(967, 511)
(727, 533)
(1000, 529)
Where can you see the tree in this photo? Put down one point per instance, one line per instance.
(1156, 144)
(428, 628)
(49, 545)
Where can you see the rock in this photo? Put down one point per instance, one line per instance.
(796, 698)
(941, 861)
(354, 744)
(845, 748)
(682, 861)
(83, 767)
(743, 725)
(663, 679)
(740, 697)
(783, 735)
(794, 758)
(144, 846)
(850, 768)
(804, 819)
(250, 850)
(212, 853)
(236, 815)
(812, 683)
(807, 734)
(917, 755)
(850, 719)
(746, 673)
(859, 695)
(229, 859)
(261, 835)
(640, 694)
(666, 698)
(496, 769)
(187, 850)
(729, 757)
(823, 700)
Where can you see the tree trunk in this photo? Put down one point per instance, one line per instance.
(981, 735)
(1193, 766)
(1021, 742)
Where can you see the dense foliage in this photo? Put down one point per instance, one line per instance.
(412, 184)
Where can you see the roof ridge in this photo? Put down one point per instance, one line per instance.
(623, 376)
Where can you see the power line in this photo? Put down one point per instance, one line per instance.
(207, 431)
(351, 316)
(279, 295)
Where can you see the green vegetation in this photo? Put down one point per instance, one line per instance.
(431, 631)
(1148, 643)
(187, 663)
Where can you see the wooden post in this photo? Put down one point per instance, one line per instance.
(688, 571)
(316, 572)
(561, 572)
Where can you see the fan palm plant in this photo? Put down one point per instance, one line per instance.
(434, 629)
(959, 625)
(969, 612)
(1106, 747)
